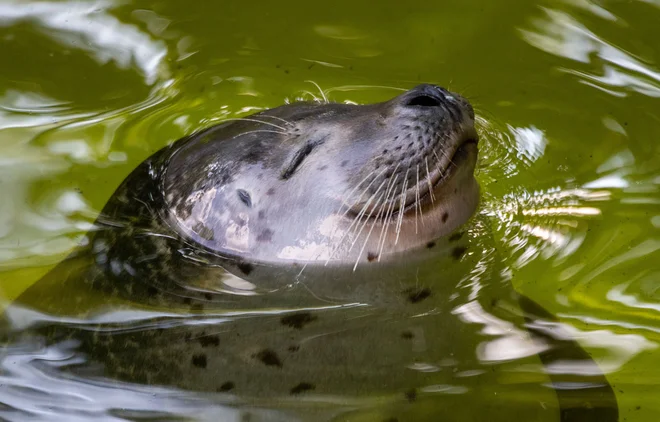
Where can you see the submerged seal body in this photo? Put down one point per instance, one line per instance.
(339, 231)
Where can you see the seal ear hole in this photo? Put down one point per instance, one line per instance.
(424, 101)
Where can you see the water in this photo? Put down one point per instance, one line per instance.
(570, 164)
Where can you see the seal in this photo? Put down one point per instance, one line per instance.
(303, 189)
(347, 201)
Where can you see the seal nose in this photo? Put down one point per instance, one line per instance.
(424, 101)
(427, 96)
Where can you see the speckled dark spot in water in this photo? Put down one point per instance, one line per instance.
(269, 358)
(270, 191)
(298, 320)
(302, 387)
(245, 268)
(411, 395)
(227, 386)
(416, 295)
(208, 296)
(372, 256)
(456, 236)
(407, 335)
(343, 163)
(445, 216)
(293, 348)
(261, 214)
(210, 340)
(430, 245)
(265, 236)
(199, 361)
(187, 301)
(152, 291)
(391, 420)
(458, 252)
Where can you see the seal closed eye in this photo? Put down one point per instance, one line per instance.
(298, 158)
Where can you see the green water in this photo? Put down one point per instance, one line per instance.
(567, 94)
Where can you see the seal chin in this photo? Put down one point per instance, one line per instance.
(463, 160)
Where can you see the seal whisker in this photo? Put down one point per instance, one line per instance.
(428, 179)
(386, 223)
(383, 206)
(446, 156)
(403, 203)
(392, 183)
(416, 200)
(390, 188)
(320, 90)
(311, 94)
(356, 87)
(437, 163)
(364, 245)
(262, 131)
(278, 118)
(354, 226)
(418, 203)
(364, 208)
(135, 198)
(363, 191)
(314, 295)
(439, 160)
(356, 220)
(245, 119)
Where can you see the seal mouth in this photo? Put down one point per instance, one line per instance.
(423, 192)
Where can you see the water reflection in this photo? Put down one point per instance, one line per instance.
(89, 26)
(613, 70)
(34, 389)
(49, 136)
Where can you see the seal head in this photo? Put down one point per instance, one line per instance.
(327, 183)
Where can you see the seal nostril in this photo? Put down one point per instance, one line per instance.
(424, 101)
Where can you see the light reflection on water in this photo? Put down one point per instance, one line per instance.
(558, 32)
(584, 236)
